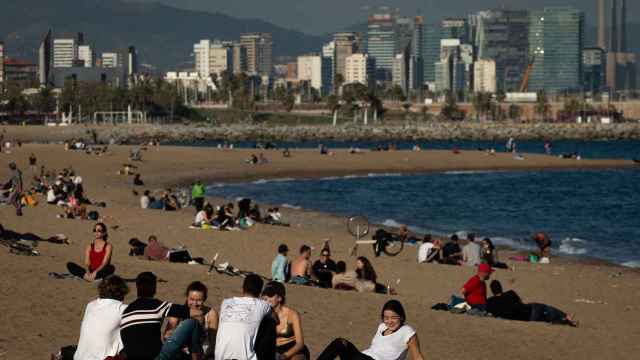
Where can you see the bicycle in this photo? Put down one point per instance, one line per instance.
(382, 241)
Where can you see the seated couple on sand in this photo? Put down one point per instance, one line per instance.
(168, 201)
(155, 250)
(221, 219)
(502, 305)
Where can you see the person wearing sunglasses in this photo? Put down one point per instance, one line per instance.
(97, 260)
(393, 340)
(324, 268)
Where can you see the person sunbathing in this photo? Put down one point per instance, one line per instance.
(394, 339)
(289, 337)
(508, 305)
(155, 250)
(196, 296)
(97, 258)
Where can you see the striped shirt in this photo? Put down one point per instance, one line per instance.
(141, 324)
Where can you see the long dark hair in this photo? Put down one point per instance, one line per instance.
(396, 307)
(490, 243)
(367, 272)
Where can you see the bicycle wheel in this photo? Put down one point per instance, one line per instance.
(393, 248)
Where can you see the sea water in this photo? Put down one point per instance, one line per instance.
(592, 213)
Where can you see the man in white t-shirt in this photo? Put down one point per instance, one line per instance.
(100, 329)
(425, 247)
(471, 252)
(240, 319)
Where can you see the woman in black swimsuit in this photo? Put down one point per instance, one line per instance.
(289, 337)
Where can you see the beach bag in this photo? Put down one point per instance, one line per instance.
(93, 215)
(179, 256)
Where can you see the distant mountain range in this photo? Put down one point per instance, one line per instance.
(163, 35)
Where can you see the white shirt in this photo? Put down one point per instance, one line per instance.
(240, 319)
(100, 330)
(51, 195)
(471, 252)
(144, 202)
(391, 347)
(423, 251)
(201, 217)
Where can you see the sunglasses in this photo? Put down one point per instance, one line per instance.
(99, 230)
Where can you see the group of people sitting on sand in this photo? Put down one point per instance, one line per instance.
(168, 200)
(224, 217)
(450, 253)
(325, 272)
(257, 160)
(258, 324)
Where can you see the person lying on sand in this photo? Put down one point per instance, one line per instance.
(176, 329)
(289, 337)
(301, 267)
(100, 328)
(508, 305)
(155, 250)
(9, 235)
(393, 339)
(97, 257)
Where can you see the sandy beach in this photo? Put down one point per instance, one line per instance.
(41, 314)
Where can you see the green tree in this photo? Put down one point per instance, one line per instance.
(450, 110)
(542, 107)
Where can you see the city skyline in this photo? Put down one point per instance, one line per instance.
(319, 17)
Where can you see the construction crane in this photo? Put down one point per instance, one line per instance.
(525, 80)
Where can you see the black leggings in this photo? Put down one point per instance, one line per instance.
(344, 350)
(79, 271)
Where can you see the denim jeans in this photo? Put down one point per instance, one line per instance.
(189, 334)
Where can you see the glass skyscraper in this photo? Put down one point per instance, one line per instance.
(381, 43)
(431, 51)
(502, 35)
(556, 39)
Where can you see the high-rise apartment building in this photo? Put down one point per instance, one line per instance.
(381, 43)
(86, 55)
(409, 42)
(346, 44)
(503, 35)
(315, 69)
(65, 52)
(132, 61)
(44, 60)
(431, 51)
(259, 53)
(360, 68)
(401, 71)
(111, 60)
(329, 53)
(450, 71)
(239, 58)
(594, 67)
(1, 65)
(212, 57)
(556, 39)
(453, 28)
(484, 76)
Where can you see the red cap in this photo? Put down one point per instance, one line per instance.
(485, 268)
